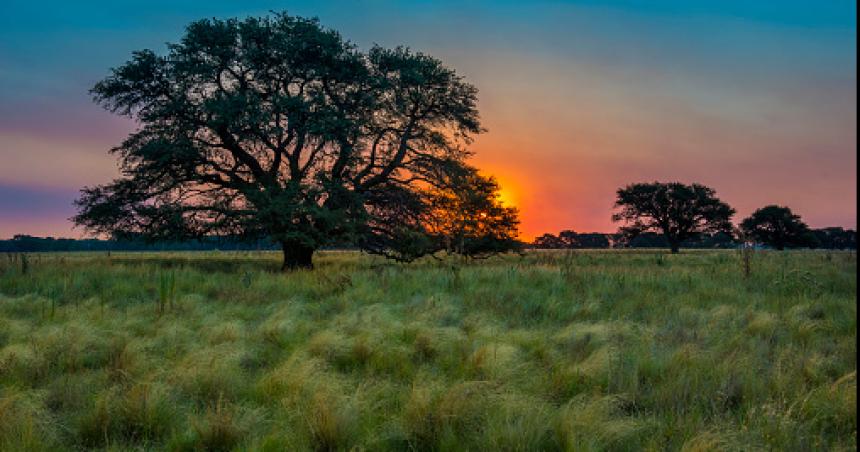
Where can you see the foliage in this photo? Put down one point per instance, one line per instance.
(573, 240)
(676, 210)
(835, 238)
(778, 227)
(575, 350)
(463, 216)
(469, 218)
(274, 127)
(655, 240)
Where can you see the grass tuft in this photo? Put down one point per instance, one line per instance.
(587, 350)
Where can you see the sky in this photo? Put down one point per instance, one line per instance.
(756, 99)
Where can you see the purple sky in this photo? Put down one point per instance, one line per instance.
(755, 99)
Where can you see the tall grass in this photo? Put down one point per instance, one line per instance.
(576, 351)
(166, 290)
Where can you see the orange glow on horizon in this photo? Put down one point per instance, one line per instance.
(512, 193)
(507, 197)
(509, 191)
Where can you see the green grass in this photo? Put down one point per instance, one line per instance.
(547, 351)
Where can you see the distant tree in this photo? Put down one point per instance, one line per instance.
(275, 127)
(636, 239)
(568, 238)
(722, 239)
(777, 226)
(835, 238)
(705, 240)
(676, 210)
(572, 240)
(548, 242)
(584, 240)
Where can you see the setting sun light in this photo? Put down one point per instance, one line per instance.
(506, 196)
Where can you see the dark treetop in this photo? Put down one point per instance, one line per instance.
(676, 210)
(777, 226)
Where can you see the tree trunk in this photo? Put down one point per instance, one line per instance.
(674, 244)
(297, 256)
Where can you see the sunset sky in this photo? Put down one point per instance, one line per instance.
(756, 99)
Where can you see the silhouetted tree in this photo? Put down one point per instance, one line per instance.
(657, 240)
(275, 127)
(572, 240)
(636, 239)
(835, 238)
(549, 241)
(722, 239)
(676, 210)
(777, 226)
(584, 240)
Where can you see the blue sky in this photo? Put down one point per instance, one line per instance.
(750, 97)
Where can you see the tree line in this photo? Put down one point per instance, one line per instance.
(831, 238)
(22, 243)
(674, 215)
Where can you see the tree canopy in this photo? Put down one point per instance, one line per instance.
(278, 127)
(777, 226)
(676, 210)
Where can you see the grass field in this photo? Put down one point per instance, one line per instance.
(588, 350)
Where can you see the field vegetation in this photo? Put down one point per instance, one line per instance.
(584, 350)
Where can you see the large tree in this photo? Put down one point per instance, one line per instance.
(676, 210)
(276, 127)
(777, 226)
